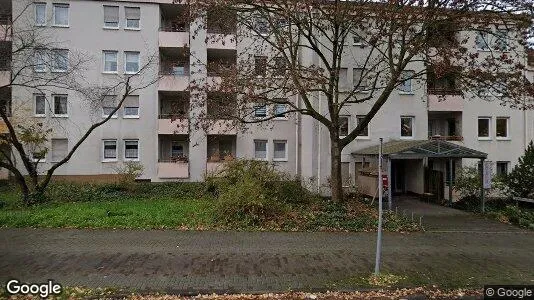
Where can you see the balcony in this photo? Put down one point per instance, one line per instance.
(174, 29)
(5, 23)
(221, 149)
(173, 113)
(221, 62)
(174, 69)
(169, 39)
(447, 102)
(221, 41)
(445, 126)
(173, 156)
(221, 109)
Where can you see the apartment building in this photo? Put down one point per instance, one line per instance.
(120, 36)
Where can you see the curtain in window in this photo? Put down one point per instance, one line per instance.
(280, 149)
(110, 61)
(40, 104)
(260, 149)
(110, 149)
(60, 59)
(131, 149)
(40, 13)
(60, 105)
(59, 149)
(132, 62)
(111, 15)
(61, 14)
(132, 13)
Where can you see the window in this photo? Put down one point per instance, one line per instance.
(177, 149)
(357, 40)
(261, 25)
(133, 15)
(343, 125)
(502, 168)
(502, 130)
(359, 82)
(280, 110)
(501, 40)
(345, 174)
(61, 14)
(108, 105)
(407, 127)
(260, 111)
(110, 150)
(39, 156)
(484, 128)
(39, 60)
(343, 77)
(280, 66)
(60, 105)
(178, 69)
(280, 150)
(365, 132)
(131, 107)
(40, 14)
(260, 149)
(111, 16)
(406, 84)
(40, 104)
(260, 65)
(131, 149)
(481, 39)
(131, 64)
(110, 61)
(59, 149)
(60, 60)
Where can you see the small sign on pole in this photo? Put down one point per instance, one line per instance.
(487, 174)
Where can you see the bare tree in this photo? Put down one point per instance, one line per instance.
(294, 53)
(36, 67)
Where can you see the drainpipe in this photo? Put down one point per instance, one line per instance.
(319, 152)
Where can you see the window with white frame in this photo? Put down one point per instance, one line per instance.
(280, 110)
(260, 65)
(40, 13)
(261, 25)
(343, 77)
(280, 66)
(133, 17)
(60, 60)
(406, 82)
(343, 125)
(60, 105)
(38, 156)
(407, 126)
(502, 130)
(280, 150)
(61, 14)
(110, 61)
(357, 40)
(260, 111)
(359, 81)
(502, 168)
(131, 107)
(108, 106)
(39, 60)
(131, 149)
(481, 40)
(131, 62)
(111, 16)
(60, 149)
(501, 40)
(484, 128)
(110, 150)
(40, 105)
(260, 149)
(365, 132)
(177, 149)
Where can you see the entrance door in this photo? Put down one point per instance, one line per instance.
(398, 178)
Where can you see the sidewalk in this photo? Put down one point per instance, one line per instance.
(206, 262)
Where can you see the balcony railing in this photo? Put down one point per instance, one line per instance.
(457, 138)
(175, 68)
(177, 116)
(174, 27)
(444, 91)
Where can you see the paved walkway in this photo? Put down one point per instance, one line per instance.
(205, 262)
(438, 218)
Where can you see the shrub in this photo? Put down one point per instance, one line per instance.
(128, 172)
(468, 183)
(253, 192)
(521, 180)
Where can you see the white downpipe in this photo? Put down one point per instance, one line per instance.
(297, 143)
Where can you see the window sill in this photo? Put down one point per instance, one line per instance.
(131, 73)
(483, 50)
(110, 72)
(280, 159)
(484, 139)
(39, 71)
(503, 138)
(132, 29)
(39, 161)
(130, 117)
(60, 26)
(39, 116)
(407, 93)
(365, 138)
(110, 160)
(113, 117)
(280, 119)
(60, 116)
(407, 137)
(361, 45)
(131, 159)
(59, 71)
(110, 28)
(39, 25)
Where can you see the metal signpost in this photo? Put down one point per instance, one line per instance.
(379, 235)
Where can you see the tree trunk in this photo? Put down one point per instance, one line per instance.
(336, 184)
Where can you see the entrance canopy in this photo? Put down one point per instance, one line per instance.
(418, 149)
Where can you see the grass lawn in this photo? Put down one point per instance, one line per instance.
(176, 206)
